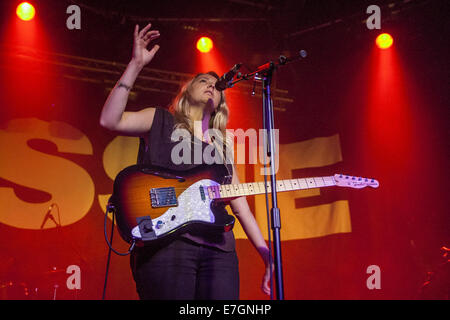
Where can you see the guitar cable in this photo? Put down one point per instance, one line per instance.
(110, 208)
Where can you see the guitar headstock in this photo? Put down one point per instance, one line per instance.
(343, 180)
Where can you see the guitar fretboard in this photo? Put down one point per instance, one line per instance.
(253, 188)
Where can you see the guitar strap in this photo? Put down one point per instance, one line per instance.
(227, 178)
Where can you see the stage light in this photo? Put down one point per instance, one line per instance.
(384, 41)
(204, 44)
(25, 11)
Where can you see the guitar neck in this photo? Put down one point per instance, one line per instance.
(253, 188)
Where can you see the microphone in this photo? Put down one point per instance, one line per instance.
(302, 54)
(222, 83)
(48, 215)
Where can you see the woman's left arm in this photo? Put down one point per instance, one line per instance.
(242, 211)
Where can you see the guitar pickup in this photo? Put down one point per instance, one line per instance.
(163, 197)
(202, 193)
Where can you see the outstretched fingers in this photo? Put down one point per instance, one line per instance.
(136, 31)
(153, 34)
(154, 49)
(144, 30)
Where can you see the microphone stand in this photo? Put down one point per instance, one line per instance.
(265, 73)
(62, 238)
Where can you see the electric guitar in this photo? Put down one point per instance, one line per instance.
(152, 203)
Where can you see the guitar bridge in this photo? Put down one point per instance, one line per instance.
(163, 197)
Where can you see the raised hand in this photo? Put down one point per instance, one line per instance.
(141, 55)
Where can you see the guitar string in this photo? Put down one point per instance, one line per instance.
(257, 182)
(252, 190)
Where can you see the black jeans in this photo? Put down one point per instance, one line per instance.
(185, 270)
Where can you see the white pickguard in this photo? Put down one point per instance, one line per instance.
(191, 207)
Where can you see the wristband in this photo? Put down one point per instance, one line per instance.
(124, 85)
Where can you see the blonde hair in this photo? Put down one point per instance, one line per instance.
(180, 108)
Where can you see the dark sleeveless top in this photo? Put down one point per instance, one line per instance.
(159, 153)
